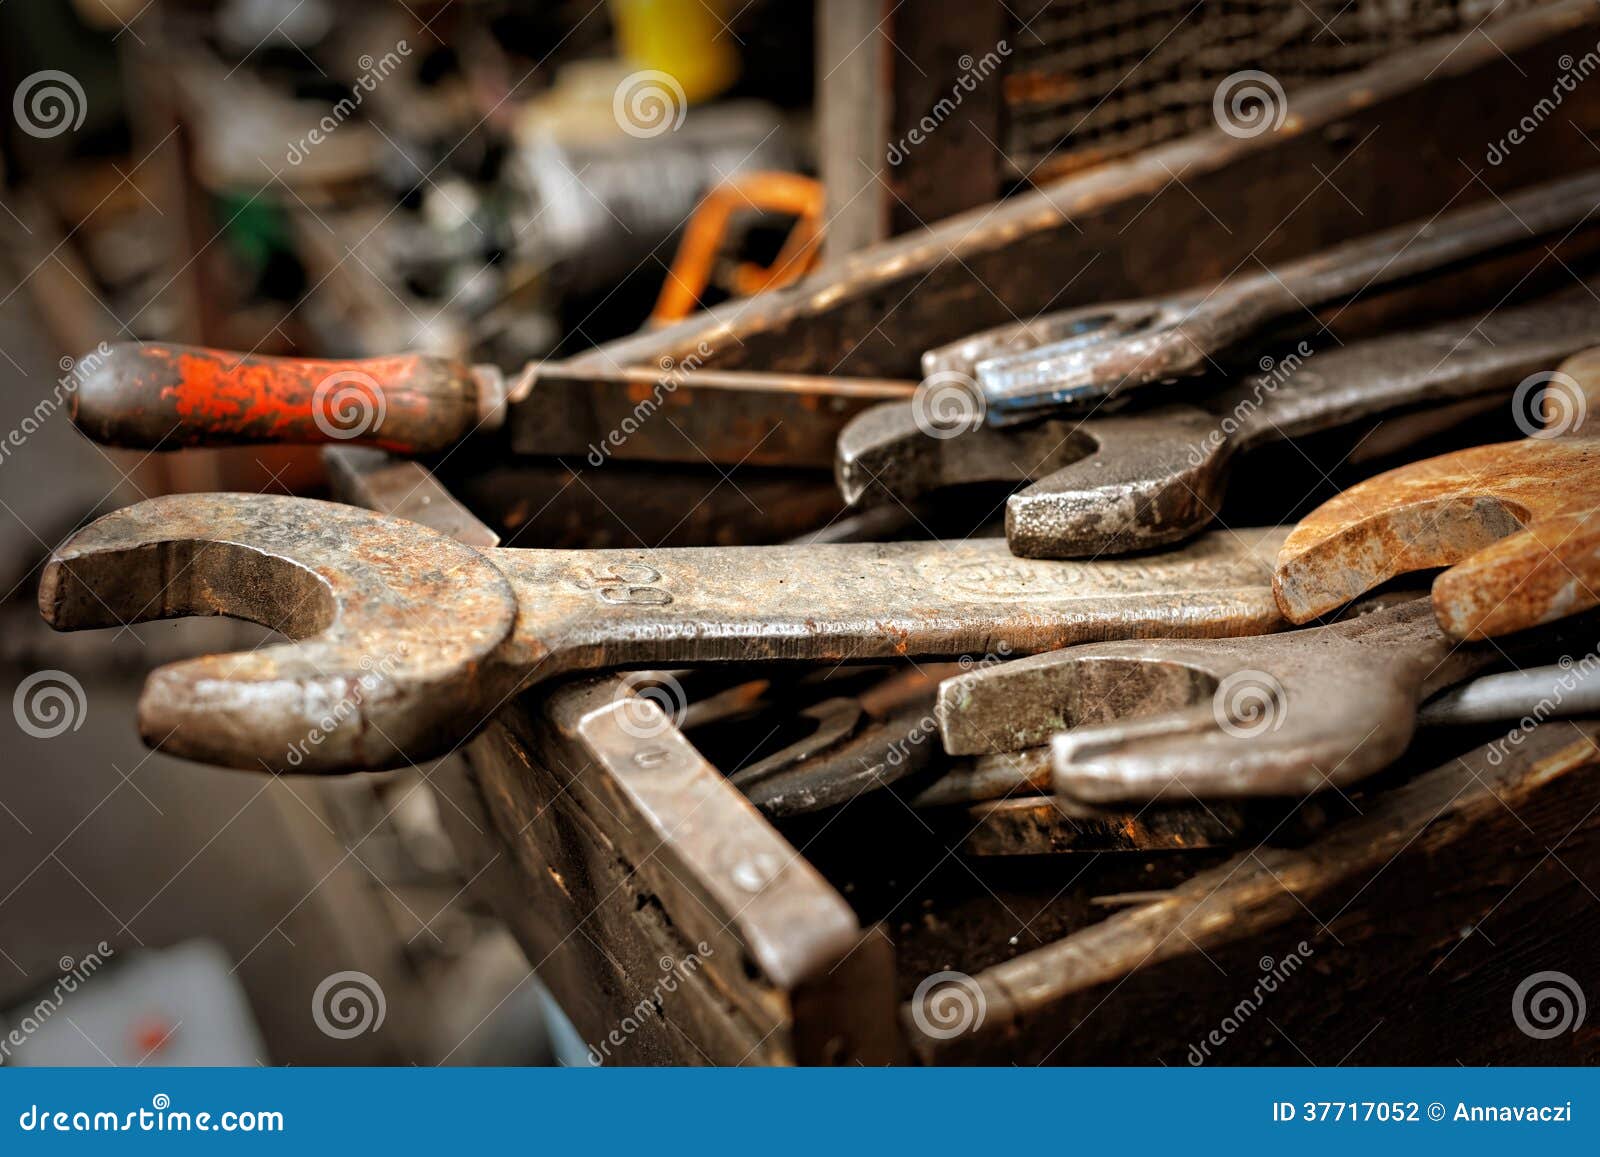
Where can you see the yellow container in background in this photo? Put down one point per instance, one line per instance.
(684, 38)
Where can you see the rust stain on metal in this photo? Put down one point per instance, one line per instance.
(438, 635)
(1517, 522)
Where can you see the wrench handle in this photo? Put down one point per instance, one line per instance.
(149, 396)
(1434, 366)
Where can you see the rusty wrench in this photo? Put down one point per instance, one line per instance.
(1517, 523)
(1130, 344)
(409, 640)
(1286, 714)
(1556, 691)
(1136, 481)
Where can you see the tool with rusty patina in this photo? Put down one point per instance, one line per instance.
(1285, 714)
(410, 640)
(151, 396)
(1136, 481)
(1033, 713)
(1124, 345)
(1517, 523)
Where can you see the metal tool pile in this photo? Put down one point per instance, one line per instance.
(1119, 646)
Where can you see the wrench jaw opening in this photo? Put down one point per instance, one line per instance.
(399, 628)
(1153, 481)
(886, 454)
(1341, 551)
(122, 569)
(1547, 572)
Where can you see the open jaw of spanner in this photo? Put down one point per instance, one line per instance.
(409, 640)
(1136, 343)
(1284, 714)
(1141, 480)
(1554, 691)
(1517, 523)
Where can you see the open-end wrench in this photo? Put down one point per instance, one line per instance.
(1517, 523)
(151, 396)
(1035, 714)
(1136, 481)
(1135, 343)
(1284, 714)
(409, 640)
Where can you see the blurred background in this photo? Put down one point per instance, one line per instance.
(494, 179)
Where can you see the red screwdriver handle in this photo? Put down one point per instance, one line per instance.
(149, 396)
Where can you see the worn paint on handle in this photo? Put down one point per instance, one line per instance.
(149, 396)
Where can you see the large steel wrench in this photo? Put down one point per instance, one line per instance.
(1170, 719)
(1131, 344)
(1136, 481)
(409, 640)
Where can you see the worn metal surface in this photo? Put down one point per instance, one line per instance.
(1558, 691)
(410, 640)
(168, 397)
(1141, 480)
(974, 718)
(1517, 523)
(1286, 714)
(1151, 341)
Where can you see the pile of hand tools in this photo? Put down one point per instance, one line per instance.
(1121, 644)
